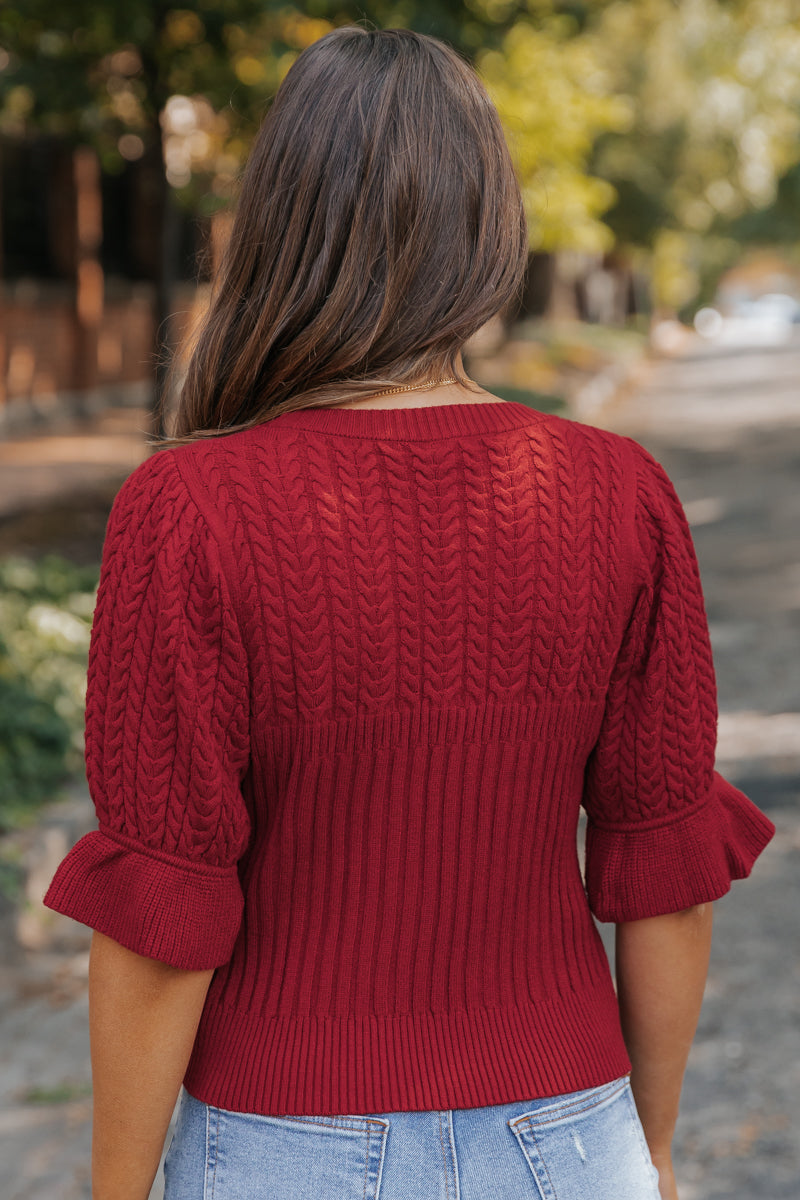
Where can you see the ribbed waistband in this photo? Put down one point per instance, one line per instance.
(407, 1061)
(570, 721)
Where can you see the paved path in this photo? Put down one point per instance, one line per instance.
(728, 431)
(39, 467)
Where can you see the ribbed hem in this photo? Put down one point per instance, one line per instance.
(636, 873)
(424, 423)
(406, 1062)
(184, 914)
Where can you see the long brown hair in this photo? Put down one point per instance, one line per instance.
(379, 225)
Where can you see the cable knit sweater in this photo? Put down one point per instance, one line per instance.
(352, 675)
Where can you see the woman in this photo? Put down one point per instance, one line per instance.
(366, 639)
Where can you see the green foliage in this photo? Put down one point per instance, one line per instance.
(779, 223)
(12, 872)
(575, 347)
(715, 94)
(46, 610)
(555, 99)
(33, 748)
(103, 72)
(200, 73)
(60, 1093)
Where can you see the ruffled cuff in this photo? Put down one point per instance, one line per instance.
(634, 872)
(160, 906)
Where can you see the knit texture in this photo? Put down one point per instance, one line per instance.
(352, 675)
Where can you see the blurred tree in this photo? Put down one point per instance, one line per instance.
(714, 90)
(181, 89)
(555, 97)
(648, 123)
(779, 223)
(174, 88)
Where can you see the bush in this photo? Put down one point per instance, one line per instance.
(33, 750)
(46, 609)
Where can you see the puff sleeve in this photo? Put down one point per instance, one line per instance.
(166, 735)
(665, 831)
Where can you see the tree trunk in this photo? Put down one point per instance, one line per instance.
(164, 219)
(165, 228)
(89, 282)
(563, 305)
(3, 347)
(538, 285)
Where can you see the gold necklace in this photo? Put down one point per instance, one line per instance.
(410, 387)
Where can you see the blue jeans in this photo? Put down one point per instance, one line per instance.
(585, 1146)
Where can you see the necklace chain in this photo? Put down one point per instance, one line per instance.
(410, 387)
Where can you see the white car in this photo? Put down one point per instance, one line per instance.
(767, 320)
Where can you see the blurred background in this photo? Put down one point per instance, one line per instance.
(658, 146)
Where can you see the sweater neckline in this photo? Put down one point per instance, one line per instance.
(423, 422)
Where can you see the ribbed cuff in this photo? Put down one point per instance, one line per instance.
(633, 873)
(160, 906)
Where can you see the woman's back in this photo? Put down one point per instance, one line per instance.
(404, 647)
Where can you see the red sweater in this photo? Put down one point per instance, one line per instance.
(352, 675)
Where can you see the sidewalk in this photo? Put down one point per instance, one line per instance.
(75, 470)
(727, 429)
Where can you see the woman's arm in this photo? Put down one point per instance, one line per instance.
(661, 968)
(143, 1016)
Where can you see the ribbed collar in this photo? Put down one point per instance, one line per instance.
(425, 422)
